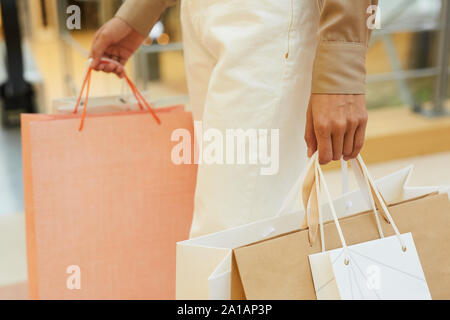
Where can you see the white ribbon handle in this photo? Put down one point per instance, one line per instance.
(366, 192)
(322, 183)
(333, 212)
(380, 199)
(344, 178)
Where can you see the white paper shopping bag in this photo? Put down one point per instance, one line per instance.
(387, 268)
(378, 269)
(205, 266)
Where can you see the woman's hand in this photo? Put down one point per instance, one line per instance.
(115, 40)
(335, 125)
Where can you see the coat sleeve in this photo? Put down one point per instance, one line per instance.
(344, 33)
(142, 15)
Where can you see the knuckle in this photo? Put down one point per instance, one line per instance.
(322, 129)
(339, 126)
(347, 152)
(336, 156)
(324, 158)
(359, 145)
(355, 152)
(353, 122)
(364, 118)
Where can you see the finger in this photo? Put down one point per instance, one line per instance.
(122, 61)
(310, 136)
(348, 145)
(348, 141)
(120, 72)
(115, 53)
(324, 145)
(110, 67)
(101, 67)
(358, 141)
(338, 143)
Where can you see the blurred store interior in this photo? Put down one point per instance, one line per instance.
(408, 93)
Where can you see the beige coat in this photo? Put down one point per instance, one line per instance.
(339, 65)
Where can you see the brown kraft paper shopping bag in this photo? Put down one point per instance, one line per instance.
(279, 268)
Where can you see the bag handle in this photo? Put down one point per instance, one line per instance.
(374, 191)
(87, 82)
(311, 218)
(368, 194)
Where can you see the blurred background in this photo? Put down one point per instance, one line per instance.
(42, 60)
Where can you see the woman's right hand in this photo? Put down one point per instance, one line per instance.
(115, 40)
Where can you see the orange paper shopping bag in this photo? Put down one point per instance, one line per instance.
(105, 205)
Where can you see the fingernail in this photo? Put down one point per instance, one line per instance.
(309, 152)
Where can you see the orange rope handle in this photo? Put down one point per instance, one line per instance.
(136, 92)
(87, 83)
(135, 96)
(75, 110)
